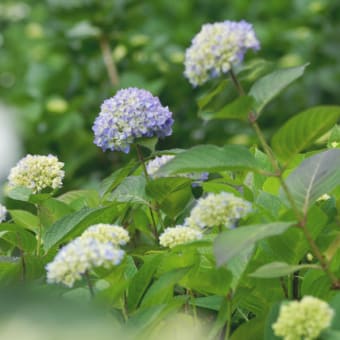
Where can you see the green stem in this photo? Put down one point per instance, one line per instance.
(229, 315)
(301, 218)
(142, 161)
(39, 231)
(22, 257)
(89, 284)
(124, 311)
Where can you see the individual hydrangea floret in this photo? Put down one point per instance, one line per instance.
(216, 48)
(131, 114)
(37, 172)
(303, 320)
(79, 256)
(154, 165)
(172, 237)
(222, 209)
(107, 233)
(3, 212)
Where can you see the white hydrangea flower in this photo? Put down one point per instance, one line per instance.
(107, 233)
(172, 237)
(80, 256)
(216, 48)
(154, 165)
(3, 212)
(37, 172)
(222, 209)
(304, 319)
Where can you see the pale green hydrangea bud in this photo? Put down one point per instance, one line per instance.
(3, 212)
(37, 173)
(222, 209)
(107, 233)
(172, 237)
(304, 319)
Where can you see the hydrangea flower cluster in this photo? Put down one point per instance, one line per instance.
(107, 233)
(303, 320)
(96, 247)
(3, 212)
(172, 237)
(37, 172)
(154, 165)
(131, 114)
(216, 48)
(222, 209)
(79, 256)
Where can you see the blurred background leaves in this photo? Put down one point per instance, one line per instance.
(59, 59)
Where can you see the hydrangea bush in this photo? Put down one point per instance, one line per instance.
(253, 248)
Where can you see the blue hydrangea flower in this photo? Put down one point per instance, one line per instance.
(131, 114)
(216, 48)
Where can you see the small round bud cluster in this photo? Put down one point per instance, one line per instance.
(216, 48)
(131, 114)
(37, 173)
(303, 320)
(98, 246)
(172, 237)
(154, 165)
(222, 209)
(107, 233)
(3, 212)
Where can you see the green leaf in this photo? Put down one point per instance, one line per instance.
(212, 302)
(171, 194)
(132, 190)
(210, 158)
(148, 143)
(20, 194)
(162, 290)
(233, 242)
(238, 109)
(271, 319)
(278, 269)
(292, 246)
(146, 319)
(254, 327)
(18, 237)
(141, 281)
(316, 175)
(85, 198)
(204, 100)
(75, 223)
(52, 210)
(303, 129)
(269, 86)
(25, 219)
(317, 284)
(335, 304)
(334, 137)
(111, 182)
(9, 270)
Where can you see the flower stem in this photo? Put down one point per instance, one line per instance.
(278, 171)
(89, 284)
(22, 257)
(38, 235)
(142, 161)
(229, 315)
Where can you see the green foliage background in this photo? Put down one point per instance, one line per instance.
(52, 69)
